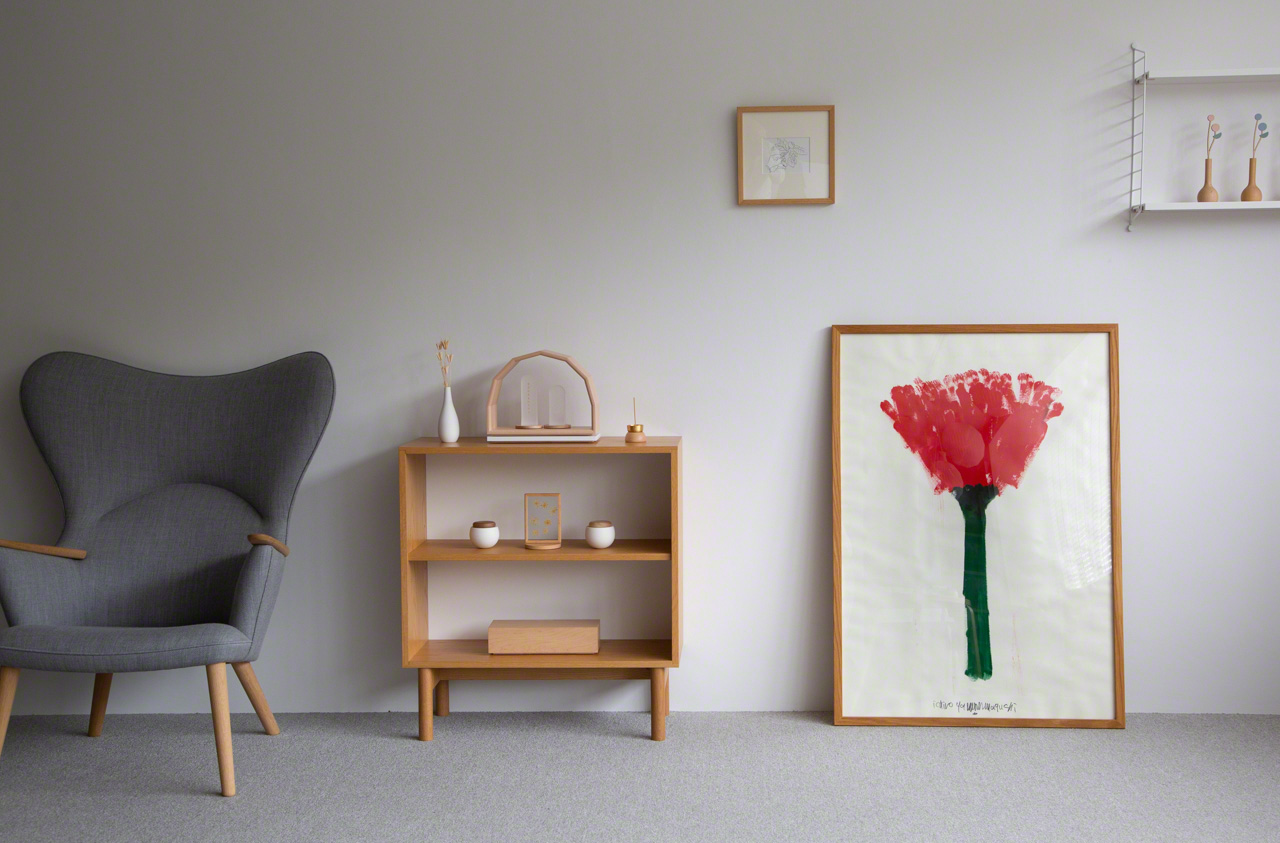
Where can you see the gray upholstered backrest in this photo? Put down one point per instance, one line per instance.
(163, 476)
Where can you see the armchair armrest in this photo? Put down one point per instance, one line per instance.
(64, 552)
(263, 538)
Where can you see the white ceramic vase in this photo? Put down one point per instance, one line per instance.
(448, 418)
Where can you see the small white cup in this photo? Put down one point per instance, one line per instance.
(484, 534)
(600, 534)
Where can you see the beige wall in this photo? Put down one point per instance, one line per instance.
(202, 187)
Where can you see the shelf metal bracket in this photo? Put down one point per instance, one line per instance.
(1135, 211)
(1137, 131)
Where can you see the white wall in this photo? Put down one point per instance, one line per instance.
(200, 188)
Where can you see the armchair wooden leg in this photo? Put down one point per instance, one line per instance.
(222, 725)
(101, 690)
(8, 687)
(658, 702)
(251, 687)
(442, 698)
(425, 687)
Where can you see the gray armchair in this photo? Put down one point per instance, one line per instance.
(176, 493)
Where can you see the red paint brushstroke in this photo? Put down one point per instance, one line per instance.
(971, 428)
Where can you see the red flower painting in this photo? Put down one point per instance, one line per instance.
(976, 434)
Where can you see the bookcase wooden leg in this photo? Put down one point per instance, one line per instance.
(442, 698)
(424, 703)
(666, 693)
(658, 702)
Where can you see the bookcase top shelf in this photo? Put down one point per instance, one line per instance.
(604, 445)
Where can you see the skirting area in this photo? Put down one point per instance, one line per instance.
(591, 777)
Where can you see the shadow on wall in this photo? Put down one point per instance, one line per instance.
(336, 623)
(472, 413)
(473, 410)
(821, 551)
(334, 617)
(29, 498)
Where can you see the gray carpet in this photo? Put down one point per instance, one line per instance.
(730, 777)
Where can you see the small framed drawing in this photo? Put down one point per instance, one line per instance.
(786, 155)
(976, 509)
(542, 520)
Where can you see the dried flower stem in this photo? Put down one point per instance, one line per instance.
(445, 358)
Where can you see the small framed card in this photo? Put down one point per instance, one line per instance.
(542, 520)
(786, 155)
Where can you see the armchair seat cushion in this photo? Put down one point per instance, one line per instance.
(121, 649)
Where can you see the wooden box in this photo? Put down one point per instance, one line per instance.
(512, 637)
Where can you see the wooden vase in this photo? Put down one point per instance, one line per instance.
(1252, 193)
(1208, 193)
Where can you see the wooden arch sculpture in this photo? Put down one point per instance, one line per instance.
(512, 434)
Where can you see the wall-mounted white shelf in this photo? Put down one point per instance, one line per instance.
(1210, 77)
(1142, 80)
(1210, 206)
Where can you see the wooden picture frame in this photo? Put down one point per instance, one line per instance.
(1104, 425)
(549, 501)
(800, 186)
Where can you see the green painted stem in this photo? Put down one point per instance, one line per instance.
(973, 502)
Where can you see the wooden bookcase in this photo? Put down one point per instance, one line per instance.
(439, 660)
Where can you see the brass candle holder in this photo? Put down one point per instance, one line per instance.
(635, 432)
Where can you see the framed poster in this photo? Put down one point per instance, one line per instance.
(786, 155)
(976, 480)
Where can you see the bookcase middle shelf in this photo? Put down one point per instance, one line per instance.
(513, 550)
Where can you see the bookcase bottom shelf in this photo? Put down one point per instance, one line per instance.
(433, 682)
(473, 654)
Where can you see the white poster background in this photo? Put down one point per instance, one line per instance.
(1048, 542)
